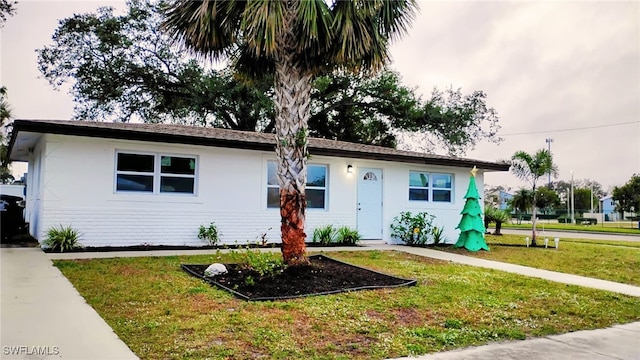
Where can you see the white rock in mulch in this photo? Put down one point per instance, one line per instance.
(215, 269)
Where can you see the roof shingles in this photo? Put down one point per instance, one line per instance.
(207, 136)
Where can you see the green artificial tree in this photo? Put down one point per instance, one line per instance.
(471, 225)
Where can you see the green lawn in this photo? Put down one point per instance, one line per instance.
(616, 228)
(617, 261)
(160, 312)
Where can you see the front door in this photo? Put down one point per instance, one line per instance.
(370, 203)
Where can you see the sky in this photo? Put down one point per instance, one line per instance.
(566, 71)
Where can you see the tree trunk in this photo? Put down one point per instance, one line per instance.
(533, 218)
(498, 228)
(293, 96)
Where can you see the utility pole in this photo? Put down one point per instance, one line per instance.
(568, 206)
(573, 201)
(549, 141)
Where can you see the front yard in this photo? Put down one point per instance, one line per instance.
(160, 312)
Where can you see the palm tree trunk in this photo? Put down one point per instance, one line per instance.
(498, 228)
(533, 218)
(293, 97)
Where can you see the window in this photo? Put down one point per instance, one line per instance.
(273, 189)
(433, 187)
(316, 186)
(418, 186)
(155, 173)
(441, 185)
(316, 189)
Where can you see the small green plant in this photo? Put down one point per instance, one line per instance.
(438, 235)
(249, 280)
(209, 234)
(348, 236)
(264, 263)
(324, 235)
(412, 229)
(263, 238)
(63, 238)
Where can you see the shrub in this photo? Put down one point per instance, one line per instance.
(264, 263)
(209, 234)
(324, 235)
(348, 236)
(63, 238)
(412, 229)
(438, 235)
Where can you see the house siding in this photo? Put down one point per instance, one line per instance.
(71, 181)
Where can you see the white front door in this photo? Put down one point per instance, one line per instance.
(370, 203)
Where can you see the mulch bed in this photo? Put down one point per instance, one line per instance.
(323, 276)
(143, 247)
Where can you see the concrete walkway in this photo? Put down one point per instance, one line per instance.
(620, 342)
(43, 317)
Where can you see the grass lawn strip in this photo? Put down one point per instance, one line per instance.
(591, 258)
(161, 312)
(616, 228)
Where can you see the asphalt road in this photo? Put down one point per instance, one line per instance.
(573, 235)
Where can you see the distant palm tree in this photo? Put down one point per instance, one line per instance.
(531, 168)
(521, 202)
(293, 40)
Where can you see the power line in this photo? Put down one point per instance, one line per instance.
(573, 129)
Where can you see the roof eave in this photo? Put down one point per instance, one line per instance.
(51, 127)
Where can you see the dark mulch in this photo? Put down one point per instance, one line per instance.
(323, 276)
(144, 247)
(430, 246)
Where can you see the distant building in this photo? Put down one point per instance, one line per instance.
(505, 199)
(608, 206)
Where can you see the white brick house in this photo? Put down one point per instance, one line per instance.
(131, 184)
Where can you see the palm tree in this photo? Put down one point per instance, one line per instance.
(293, 41)
(531, 168)
(500, 217)
(521, 202)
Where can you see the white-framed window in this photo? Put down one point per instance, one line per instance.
(155, 173)
(441, 187)
(434, 187)
(316, 189)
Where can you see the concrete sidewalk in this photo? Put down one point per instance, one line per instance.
(620, 342)
(42, 316)
(41, 313)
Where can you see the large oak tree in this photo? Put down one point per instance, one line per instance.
(123, 67)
